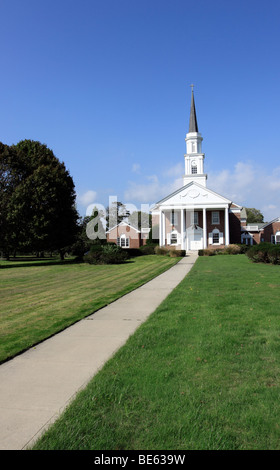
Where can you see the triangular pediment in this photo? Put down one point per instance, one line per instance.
(193, 194)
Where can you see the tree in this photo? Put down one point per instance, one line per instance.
(9, 221)
(42, 199)
(115, 214)
(140, 219)
(254, 215)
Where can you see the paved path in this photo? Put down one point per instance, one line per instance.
(36, 386)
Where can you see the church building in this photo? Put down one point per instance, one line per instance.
(194, 216)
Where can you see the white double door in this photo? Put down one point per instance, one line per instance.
(194, 238)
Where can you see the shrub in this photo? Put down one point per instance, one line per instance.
(107, 254)
(232, 249)
(177, 253)
(243, 248)
(148, 249)
(207, 252)
(132, 252)
(264, 253)
(160, 250)
(227, 250)
(273, 254)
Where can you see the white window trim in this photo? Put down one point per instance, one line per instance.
(214, 222)
(215, 232)
(126, 241)
(178, 239)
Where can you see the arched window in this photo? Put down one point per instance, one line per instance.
(216, 237)
(194, 168)
(124, 241)
(173, 238)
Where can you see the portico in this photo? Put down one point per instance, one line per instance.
(193, 227)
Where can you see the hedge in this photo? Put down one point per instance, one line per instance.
(264, 253)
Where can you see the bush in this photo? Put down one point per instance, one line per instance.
(106, 254)
(177, 253)
(160, 250)
(232, 249)
(148, 249)
(207, 252)
(132, 252)
(227, 250)
(264, 253)
(243, 248)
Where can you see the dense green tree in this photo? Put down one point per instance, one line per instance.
(10, 223)
(41, 213)
(254, 215)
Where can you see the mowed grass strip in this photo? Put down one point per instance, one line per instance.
(203, 372)
(40, 300)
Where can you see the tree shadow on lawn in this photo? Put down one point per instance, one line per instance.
(33, 262)
(30, 262)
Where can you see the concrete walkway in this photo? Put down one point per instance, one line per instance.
(36, 386)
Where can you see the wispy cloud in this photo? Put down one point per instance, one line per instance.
(245, 184)
(251, 186)
(87, 198)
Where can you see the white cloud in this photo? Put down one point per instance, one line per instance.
(246, 184)
(251, 186)
(153, 190)
(87, 198)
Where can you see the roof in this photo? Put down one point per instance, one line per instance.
(121, 224)
(193, 127)
(185, 187)
(271, 222)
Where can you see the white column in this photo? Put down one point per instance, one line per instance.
(226, 227)
(163, 229)
(204, 229)
(160, 228)
(183, 230)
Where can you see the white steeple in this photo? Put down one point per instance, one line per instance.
(194, 158)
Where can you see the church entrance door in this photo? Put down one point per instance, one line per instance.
(195, 238)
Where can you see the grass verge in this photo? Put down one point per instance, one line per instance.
(41, 298)
(201, 373)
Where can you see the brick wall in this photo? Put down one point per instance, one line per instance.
(135, 240)
(271, 229)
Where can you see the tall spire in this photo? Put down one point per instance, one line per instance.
(193, 127)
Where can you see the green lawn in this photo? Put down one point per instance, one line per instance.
(201, 373)
(40, 298)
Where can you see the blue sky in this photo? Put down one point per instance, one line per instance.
(105, 85)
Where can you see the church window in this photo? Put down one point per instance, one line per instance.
(124, 242)
(215, 217)
(173, 238)
(277, 238)
(216, 238)
(194, 169)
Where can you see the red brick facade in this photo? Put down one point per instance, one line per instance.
(126, 236)
(271, 230)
